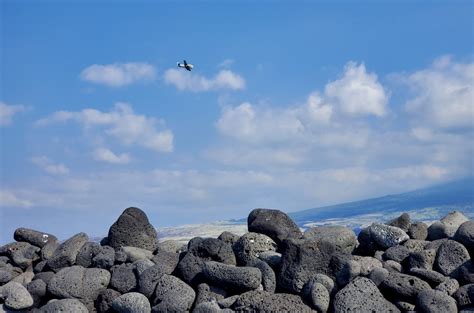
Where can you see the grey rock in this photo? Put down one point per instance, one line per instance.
(448, 286)
(379, 255)
(105, 258)
(272, 258)
(343, 238)
(432, 277)
(133, 229)
(105, 299)
(452, 221)
(24, 278)
(465, 235)
(402, 286)
(148, 279)
(65, 305)
(207, 307)
(367, 264)
(367, 246)
(418, 231)
(15, 296)
(88, 251)
(403, 222)
(414, 245)
(362, 295)
(22, 254)
(435, 244)
(66, 253)
(135, 254)
(231, 277)
(132, 302)
(396, 253)
(228, 237)
(465, 295)
(48, 250)
(172, 295)
(44, 276)
(227, 302)
(172, 246)
(433, 301)
(40, 266)
(318, 297)
(436, 231)
(79, 282)
(322, 279)
(167, 260)
(387, 236)
(206, 293)
(404, 306)
(465, 273)
(422, 259)
(349, 271)
(120, 256)
(451, 255)
(392, 266)
(37, 289)
(141, 265)
(34, 237)
(273, 223)
(250, 245)
(268, 275)
(123, 278)
(262, 301)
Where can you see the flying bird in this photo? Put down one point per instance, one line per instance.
(186, 65)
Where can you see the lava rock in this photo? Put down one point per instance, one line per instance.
(148, 279)
(207, 293)
(362, 295)
(172, 295)
(141, 265)
(432, 277)
(250, 245)
(345, 269)
(392, 266)
(262, 301)
(173, 246)
(414, 245)
(105, 299)
(448, 286)
(342, 237)
(418, 231)
(452, 222)
(436, 231)
(66, 253)
(433, 301)
(37, 289)
(34, 237)
(228, 237)
(378, 275)
(268, 275)
(403, 286)
(403, 222)
(273, 223)
(132, 302)
(451, 255)
(367, 264)
(133, 229)
(88, 251)
(367, 246)
(272, 258)
(123, 278)
(65, 305)
(15, 296)
(465, 295)
(465, 235)
(105, 258)
(387, 236)
(317, 296)
(396, 253)
(135, 254)
(207, 307)
(44, 276)
(79, 282)
(22, 254)
(322, 279)
(231, 277)
(48, 250)
(167, 260)
(24, 278)
(422, 259)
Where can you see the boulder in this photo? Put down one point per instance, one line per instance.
(343, 238)
(167, 260)
(403, 286)
(24, 278)
(422, 259)
(378, 275)
(249, 246)
(172, 246)
(228, 237)
(65, 305)
(317, 295)
(48, 250)
(85, 255)
(66, 253)
(414, 245)
(433, 301)
(451, 255)
(268, 275)
(22, 254)
(105, 299)
(44, 276)
(105, 258)
(452, 221)
(367, 246)
(432, 277)
(123, 278)
(418, 231)
(148, 279)
(273, 223)
(206, 293)
(322, 279)
(15, 296)
(465, 235)
(361, 295)
(262, 301)
(448, 286)
(392, 266)
(436, 231)
(37, 289)
(403, 222)
(141, 265)
(367, 264)
(172, 295)
(79, 282)
(387, 236)
(396, 253)
(465, 295)
(135, 254)
(34, 237)
(133, 229)
(232, 278)
(132, 302)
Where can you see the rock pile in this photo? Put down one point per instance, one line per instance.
(400, 266)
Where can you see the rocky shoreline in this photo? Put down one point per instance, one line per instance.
(400, 266)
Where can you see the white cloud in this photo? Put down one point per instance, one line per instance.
(226, 63)
(9, 199)
(184, 80)
(8, 111)
(122, 124)
(106, 155)
(444, 94)
(118, 74)
(49, 166)
(357, 92)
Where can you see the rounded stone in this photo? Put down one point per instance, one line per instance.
(403, 222)
(268, 275)
(433, 301)
(66, 253)
(133, 229)
(465, 235)
(231, 277)
(448, 286)
(148, 279)
(318, 297)
(37, 289)
(44, 276)
(105, 258)
(21, 254)
(105, 299)
(123, 278)
(88, 251)
(228, 237)
(322, 279)
(262, 301)
(378, 275)
(451, 255)
(396, 253)
(436, 231)
(465, 295)
(65, 305)
(452, 222)
(167, 260)
(273, 223)
(403, 286)
(387, 236)
(172, 295)
(342, 237)
(132, 302)
(172, 246)
(421, 259)
(206, 293)
(432, 277)
(367, 264)
(418, 231)
(34, 237)
(250, 245)
(15, 296)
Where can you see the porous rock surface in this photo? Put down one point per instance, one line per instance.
(402, 265)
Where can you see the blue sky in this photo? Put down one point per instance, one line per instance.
(290, 105)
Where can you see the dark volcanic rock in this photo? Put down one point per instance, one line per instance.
(317, 295)
(66, 253)
(88, 251)
(465, 235)
(465, 295)
(133, 229)
(418, 231)
(44, 276)
(262, 301)
(228, 237)
(451, 255)
(301, 259)
(432, 277)
(34, 237)
(452, 221)
(367, 246)
(104, 300)
(123, 278)
(105, 258)
(449, 286)
(250, 245)
(362, 295)
(15, 296)
(268, 275)
(22, 254)
(396, 253)
(403, 222)
(273, 223)
(167, 260)
(421, 259)
(233, 278)
(402, 286)
(65, 305)
(342, 237)
(37, 290)
(149, 278)
(432, 301)
(387, 236)
(172, 295)
(132, 302)
(207, 293)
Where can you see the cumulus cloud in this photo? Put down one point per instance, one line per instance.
(122, 123)
(9, 199)
(184, 80)
(106, 155)
(118, 74)
(443, 94)
(226, 63)
(49, 166)
(8, 111)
